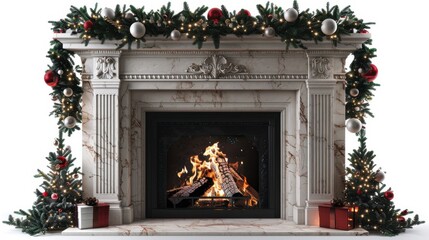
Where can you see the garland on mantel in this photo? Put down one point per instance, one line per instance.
(131, 25)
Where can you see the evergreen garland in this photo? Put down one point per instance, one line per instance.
(379, 213)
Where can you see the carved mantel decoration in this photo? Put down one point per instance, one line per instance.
(320, 67)
(216, 66)
(304, 86)
(106, 68)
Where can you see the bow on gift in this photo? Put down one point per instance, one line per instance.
(91, 201)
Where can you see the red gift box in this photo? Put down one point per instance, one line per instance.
(341, 218)
(93, 216)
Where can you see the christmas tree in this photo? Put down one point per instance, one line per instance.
(61, 190)
(365, 189)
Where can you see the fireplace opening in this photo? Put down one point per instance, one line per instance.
(212, 164)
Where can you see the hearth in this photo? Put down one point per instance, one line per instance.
(213, 164)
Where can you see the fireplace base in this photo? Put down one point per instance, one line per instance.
(213, 227)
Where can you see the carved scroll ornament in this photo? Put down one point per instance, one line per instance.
(216, 66)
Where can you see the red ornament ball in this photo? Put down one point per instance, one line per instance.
(389, 195)
(404, 212)
(245, 12)
(60, 210)
(54, 196)
(45, 194)
(371, 75)
(363, 31)
(51, 78)
(88, 24)
(359, 191)
(401, 219)
(215, 14)
(63, 162)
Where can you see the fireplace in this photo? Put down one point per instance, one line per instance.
(213, 164)
(255, 80)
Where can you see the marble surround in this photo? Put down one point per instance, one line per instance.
(245, 74)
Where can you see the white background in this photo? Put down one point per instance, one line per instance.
(398, 133)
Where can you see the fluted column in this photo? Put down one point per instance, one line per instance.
(321, 92)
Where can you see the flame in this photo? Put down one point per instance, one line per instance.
(184, 170)
(210, 168)
(245, 184)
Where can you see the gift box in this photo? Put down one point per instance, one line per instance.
(93, 216)
(342, 218)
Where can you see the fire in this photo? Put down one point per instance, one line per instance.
(184, 170)
(224, 179)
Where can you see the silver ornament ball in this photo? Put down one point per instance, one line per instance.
(360, 70)
(60, 72)
(357, 109)
(70, 122)
(354, 92)
(269, 32)
(329, 26)
(379, 176)
(109, 13)
(68, 92)
(137, 30)
(175, 35)
(291, 15)
(129, 16)
(353, 125)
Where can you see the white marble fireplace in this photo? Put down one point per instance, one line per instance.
(250, 74)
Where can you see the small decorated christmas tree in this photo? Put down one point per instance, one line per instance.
(365, 189)
(61, 191)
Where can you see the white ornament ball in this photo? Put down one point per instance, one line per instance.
(291, 15)
(68, 92)
(329, 26)
(357, 109)
(109, 13)
(269, 32)
(129, 16)
(60, 72)
(360, 70)
(379, 176)
(70, 122)
(137, 30)
(353, 125)
(175, 35)
(354, 92)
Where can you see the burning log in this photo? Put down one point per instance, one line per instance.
(197, 189)
(241, 182)
(228, 184)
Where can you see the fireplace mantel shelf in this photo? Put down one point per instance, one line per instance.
(252, 43)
